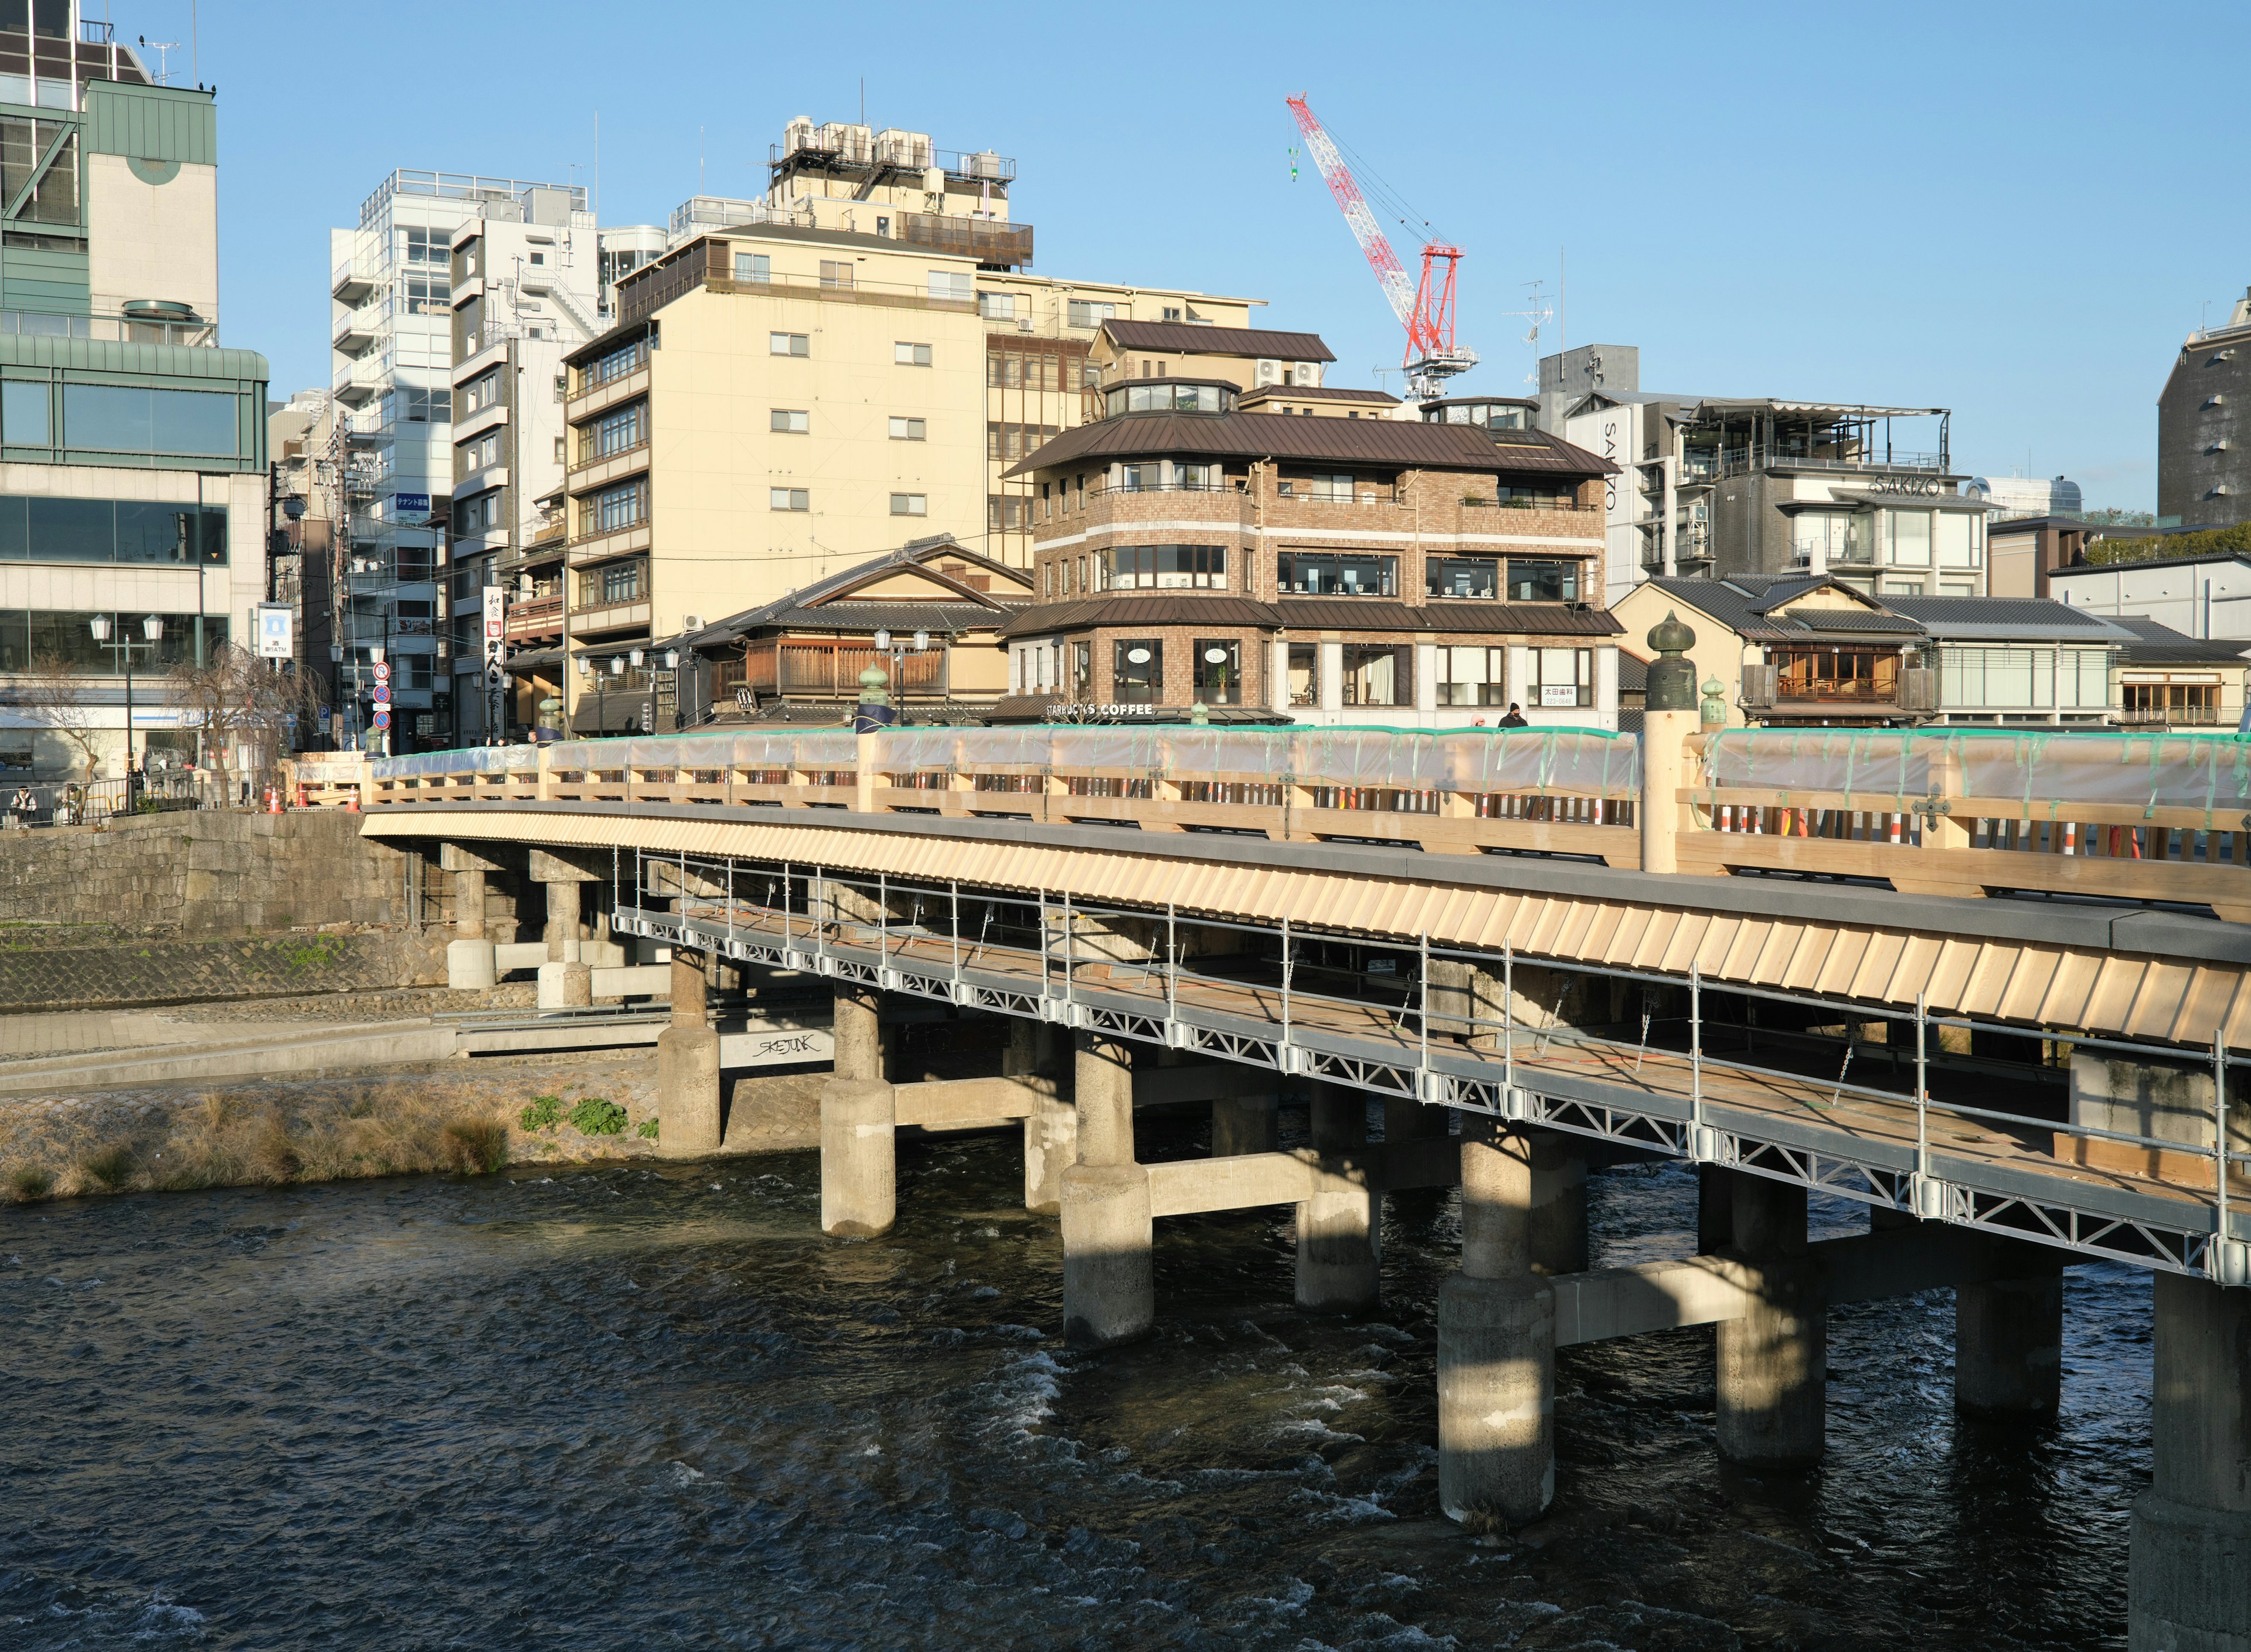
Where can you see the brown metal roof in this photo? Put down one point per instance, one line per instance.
(1313, 614)
(1344, 442)
(1299, 392)
(1218, 341)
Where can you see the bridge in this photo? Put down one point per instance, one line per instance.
(1992, 984)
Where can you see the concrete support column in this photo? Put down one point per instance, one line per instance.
(2189, 1572)
(858, 1029)
(1036, 1052)
(1715, 1209)
(470, 903)
(1559, 1203)
(1496, 1348)
(1109, 1283)
(1244, 1124)
(1774, 1361)
(2008, 1339)
(689, 1124)
(859, 1158)
(566, 983)
(1664, 759)
(1407, 1121)
(1340, 1233)
(470, 965)
(1331, 657)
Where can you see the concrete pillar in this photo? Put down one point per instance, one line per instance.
(2008, 1339)
(2189, 1571)
(562, 934)
(1496, 1348)
(859, 1032)
(1035, 1051)
(470, 903)
(1664, 754)
(1405, 1120)
(1109, 1284)
(1715, 1209)
(859, 1158)
(1559, 1203)
(1246, 1124)
(688, 1091)
(1332, 674)
(1339, 1234)
(470, 966)
(566, 986)
(1773, 1361)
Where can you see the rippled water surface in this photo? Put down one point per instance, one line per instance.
(637, 1407)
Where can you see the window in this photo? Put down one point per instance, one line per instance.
(127, 419)
(1336, 574)
(614, 432)
(1472, 676)
(1087, 313)
(957, 285)
(129, 531)
(615, 508)
(788, 499)
(754, 267)
(1379, 674)
(480, 393)
(427, 296)
(620, 582)
(1162, 567)
(1023, 370)
(24, 418)
(1218, 670)
(411, 407)
(788, 344)
(1908, 536)
(836, 274)
(2170, 703)
(909, 429)
(558, 450)
(997, 306)
(1090, 374)
(1161, 397)
(1560, 677)
(1082, 669)
(619, 362)
(1305, 674)
(907, 355)
(1836, 674)
(1336, 487)
(1137, 671)
(1013, 441)
(910, 504)
(1171, 313)
(480, 515)
(1005, 512)
(790, 421)
(883, 226)
(1532, 497)
(1951, 540)
(480, 452)
(1530, 581)
(23, 143)
(1462, 577)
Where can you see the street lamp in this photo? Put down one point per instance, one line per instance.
(898, 657)
(152, 628)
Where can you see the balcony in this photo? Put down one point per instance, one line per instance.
(988, 240)
(1737, 461)
(357, 385)
(541, 616)
(354, 279)
(353, 336)
(831, 670)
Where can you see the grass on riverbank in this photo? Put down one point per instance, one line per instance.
(236, 1139)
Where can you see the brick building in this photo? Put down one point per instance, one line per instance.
(1334, 570)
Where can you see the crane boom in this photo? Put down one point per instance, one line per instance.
(1427, 310)
(1338, 176)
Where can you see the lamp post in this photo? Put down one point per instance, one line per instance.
(898, 657)
(152, 629)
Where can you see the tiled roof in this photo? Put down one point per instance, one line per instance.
(2156, 644)
(914, 553)
(1313, 614)
(1943, 616)
(1219, 341)
(901, 618)
(1257, 436)
(1279, 392)
(1833, 620)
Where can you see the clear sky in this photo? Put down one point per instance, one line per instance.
(2017, 212)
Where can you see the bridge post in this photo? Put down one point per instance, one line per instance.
(1559, 1203)
(1496, 1346)
(1246, 1124)
(1109, 1284)
(1406, 1119)
(1774, 1360)
(688, 1123)
(859, 1158)
(858, 1030)
(1339, 1234)
(564, 980)
(2189, 1569)
(1672, 716)
(1052, 1127)
(470, 965)
(2008, 1336)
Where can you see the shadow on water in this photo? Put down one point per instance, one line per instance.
(651, 1406)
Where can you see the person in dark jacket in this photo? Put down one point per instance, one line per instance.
(1515, 717)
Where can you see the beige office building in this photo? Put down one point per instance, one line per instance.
(803, 382)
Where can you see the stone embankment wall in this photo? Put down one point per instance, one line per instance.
(203, 872)
(37, 973)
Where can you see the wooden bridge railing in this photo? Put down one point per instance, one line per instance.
(2143, 817)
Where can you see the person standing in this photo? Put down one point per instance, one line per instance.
(1515, 717)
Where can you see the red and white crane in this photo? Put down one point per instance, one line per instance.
(1426, 311)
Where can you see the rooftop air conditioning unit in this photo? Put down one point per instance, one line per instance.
(798, 134)
(983, 163)
(692, 622)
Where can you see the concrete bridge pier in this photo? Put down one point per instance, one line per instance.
(565, 982)
(1339, 1231)
(1496, 1346)
(1037, 1051)
(1109, 1283)
(470, 964)
(688, 1107)
(2189, 1572)
(1773, 1360)
(2008, 1335)
(1246, 1123)
(1407, 1120)
(1559, 1203)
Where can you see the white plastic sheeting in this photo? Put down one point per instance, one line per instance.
(2038, 771)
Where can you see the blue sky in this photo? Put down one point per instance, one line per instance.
(2014, 211)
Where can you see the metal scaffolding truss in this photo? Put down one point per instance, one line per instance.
(1046, 972)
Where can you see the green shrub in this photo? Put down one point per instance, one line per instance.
(28, 1181)
(594, 1116)
(111, 1166)
(647, 1131)
(545, 1110)
(477, 1145)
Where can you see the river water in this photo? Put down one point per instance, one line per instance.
(640, 1406)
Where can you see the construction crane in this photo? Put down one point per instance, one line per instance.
(1427, 310)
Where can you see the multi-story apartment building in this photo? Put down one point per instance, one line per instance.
(805, 381)
(299, 435)
(1337, 571)
(2204, 445)
(132, 477)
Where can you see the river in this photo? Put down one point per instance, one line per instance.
(637, 1407)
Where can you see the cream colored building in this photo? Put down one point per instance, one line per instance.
(805, 381)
